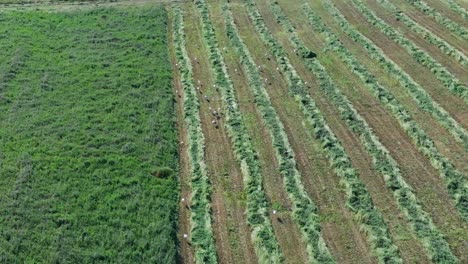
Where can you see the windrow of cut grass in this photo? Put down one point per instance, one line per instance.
(456, 182)
(263, 238)
(453, 5)
(422, 57)
(201, 235)
(358, 197)
(439, 18)
(422, 224)
(303, 208)
(433, 39)
(417, 92)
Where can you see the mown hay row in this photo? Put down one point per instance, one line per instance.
(456, 7)
(377, 229)
(263, 238)
(201, 233)
(359, 200)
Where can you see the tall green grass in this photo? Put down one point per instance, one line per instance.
(88, 141)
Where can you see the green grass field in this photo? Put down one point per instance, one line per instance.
(88, 146)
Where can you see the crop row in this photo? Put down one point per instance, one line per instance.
(200, 217)
(382, 160)
(456, 7)
(422, 57)
(455, 180)
(304, 210)
(442, 20)
(418, 93)
(358, 198)
(427, 34)
(263, 238)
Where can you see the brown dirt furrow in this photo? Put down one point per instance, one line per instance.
(232, 234)
(447, 61)
(185, 254)
(454, 105)
(340, 231)
(286, 230)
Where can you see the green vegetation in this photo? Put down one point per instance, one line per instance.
(447, 23)
(456, 182)
(304, 211)
(382, 160)
(88, 158)
(421, 56)
(200, 207)
(263, 238)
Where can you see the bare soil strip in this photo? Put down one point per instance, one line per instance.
(232, 233)
(286, 230)
(186, 254)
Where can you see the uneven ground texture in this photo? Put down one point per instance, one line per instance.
(88, 142)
